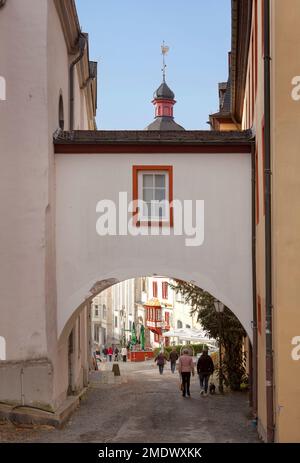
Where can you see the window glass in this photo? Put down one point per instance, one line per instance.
(148, 194)
(160, 181)
(153, 190)
(148, 181)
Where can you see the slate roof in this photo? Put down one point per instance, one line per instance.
(164, 123)
(184, 137)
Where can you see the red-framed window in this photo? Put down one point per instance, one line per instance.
(154, 288)
(164, 287)
(153, 185)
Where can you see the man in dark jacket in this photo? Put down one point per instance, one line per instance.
(160, 360)
(173, 359)
(205, 368)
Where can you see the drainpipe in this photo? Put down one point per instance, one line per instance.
(81, 45)
(268, 229)
(253, 396)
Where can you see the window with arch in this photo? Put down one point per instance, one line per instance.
(179, 324)
(61, 117)
(188, 326)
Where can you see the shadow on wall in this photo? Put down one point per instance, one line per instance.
(2, 348)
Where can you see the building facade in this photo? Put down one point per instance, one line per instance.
(53, 261)
(113, 313)
(115, 309)
(50, 85)
(262, 94)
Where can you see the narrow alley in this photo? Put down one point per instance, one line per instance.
(141, 406)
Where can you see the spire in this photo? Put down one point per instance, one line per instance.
(164, 100)
(164, 51)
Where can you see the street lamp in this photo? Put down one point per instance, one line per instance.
(122, 324)
(219, 307)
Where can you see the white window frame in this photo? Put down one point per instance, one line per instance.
(166, 217)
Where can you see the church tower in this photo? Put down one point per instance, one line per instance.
(164, 101)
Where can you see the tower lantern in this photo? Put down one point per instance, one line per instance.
(164, 100)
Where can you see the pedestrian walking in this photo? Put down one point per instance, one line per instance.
(110, 353)
(205, 368)
(186, 368)
(124, 353)
(160, 360)
(105, 352)
(116, 354)
(173, 359)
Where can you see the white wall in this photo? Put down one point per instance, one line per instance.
(222, 265)
(23, 178)
(35, 65)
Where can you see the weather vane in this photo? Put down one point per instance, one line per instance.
(164, 51)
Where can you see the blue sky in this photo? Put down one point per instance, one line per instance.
(125, 38)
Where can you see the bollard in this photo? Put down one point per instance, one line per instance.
(116, 369)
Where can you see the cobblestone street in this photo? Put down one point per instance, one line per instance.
(142, 406)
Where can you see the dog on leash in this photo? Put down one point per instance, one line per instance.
(212, 388)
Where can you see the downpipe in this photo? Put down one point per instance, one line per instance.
(253, 400)
(268, 229)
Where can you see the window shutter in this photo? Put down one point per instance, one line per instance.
(154, 289)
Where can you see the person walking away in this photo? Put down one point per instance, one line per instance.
(116, 354)
(110, 353)
(205, 368)
(124, 353)
(105, 352)
(160, 360)
(186, 368)
(173, 359)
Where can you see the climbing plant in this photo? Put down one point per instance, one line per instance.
(227, 330)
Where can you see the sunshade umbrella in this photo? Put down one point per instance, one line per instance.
(142, 337)
(133, 334)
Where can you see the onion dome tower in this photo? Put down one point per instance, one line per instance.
(164, 100)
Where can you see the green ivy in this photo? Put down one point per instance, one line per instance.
(230, 336)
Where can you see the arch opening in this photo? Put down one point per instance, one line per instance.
(119, 310)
